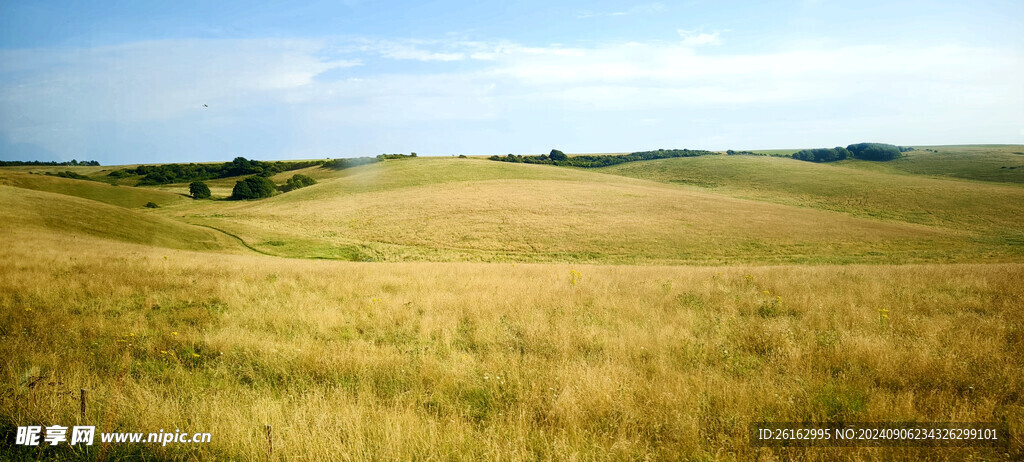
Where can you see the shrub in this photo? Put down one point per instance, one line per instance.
(199, 190)
(254, 187)
(297, 181)
(341, 164)
(874, 151)
(151, 205)
(69, 174)
(557, 155)
(822, 154)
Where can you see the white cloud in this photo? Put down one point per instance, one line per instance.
(693, 38)
(56, 99)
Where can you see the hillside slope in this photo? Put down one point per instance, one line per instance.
(447, 209)
(980, 208)
(29, 212)
(123, 196)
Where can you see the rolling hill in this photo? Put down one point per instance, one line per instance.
(27, 212)
(446, 209)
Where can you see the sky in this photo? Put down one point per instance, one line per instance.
(144, 82)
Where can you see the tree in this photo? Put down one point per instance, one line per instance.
(254, 187)
(199, 190)
(822, 154)
(297, 181)
(874, 151)
(557, 155)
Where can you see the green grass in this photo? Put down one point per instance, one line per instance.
(123, 196)
(25, 212)
(473, 210)
(996, 163)
(972, 208)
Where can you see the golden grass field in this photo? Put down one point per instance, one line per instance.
(514, 312)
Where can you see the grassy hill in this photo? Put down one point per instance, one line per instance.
(123, 196)
(446, 209)
(26, 212)
(998, 163)
(545, 352)
(984, 213)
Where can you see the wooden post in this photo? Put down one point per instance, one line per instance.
(83, 405)
(270, 438)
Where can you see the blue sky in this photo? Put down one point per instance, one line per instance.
(125, 82)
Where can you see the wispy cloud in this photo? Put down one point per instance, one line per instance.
(145, 95)
(697, 38)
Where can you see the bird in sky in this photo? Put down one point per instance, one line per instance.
(205, 105)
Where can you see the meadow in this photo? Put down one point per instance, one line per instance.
(462, 309)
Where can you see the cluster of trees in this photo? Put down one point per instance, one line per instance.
(341, 164)
(297, 181)
(556, 157)
(32, 163)
(865, 151)
(822, 154)
(254, 187)
(181, 173)
(396, 156)
(876, 151)
(751, 153)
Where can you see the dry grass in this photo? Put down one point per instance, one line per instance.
(463, 361)
(476, 210)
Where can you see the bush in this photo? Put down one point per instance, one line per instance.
(341, 164)
(822, 154)
(254, 187)
(297, 181)
(69, 174)
(151, 205)
(199, 190)
(874, 151)
(557, 155)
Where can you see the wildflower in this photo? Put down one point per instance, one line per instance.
(163, 352)
(767, 292)
(174, 333)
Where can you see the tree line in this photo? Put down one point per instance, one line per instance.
(867, 151)
(34, 163)
(253, 187)
(182, 173)
(556, 157)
